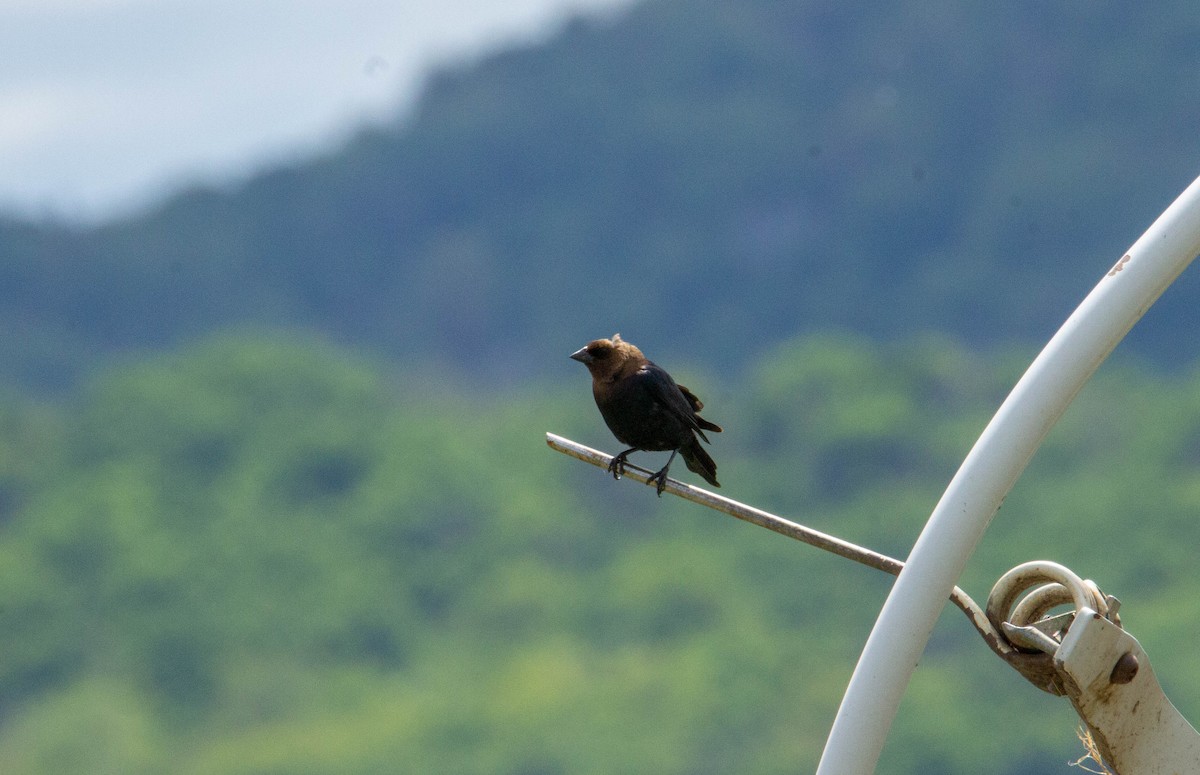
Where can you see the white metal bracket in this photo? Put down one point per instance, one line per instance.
(1097, 665)
(1108, 678)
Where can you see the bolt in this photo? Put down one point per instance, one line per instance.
(1125, 669)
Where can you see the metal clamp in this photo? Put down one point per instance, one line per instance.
(1085, 655)
(1045, 585)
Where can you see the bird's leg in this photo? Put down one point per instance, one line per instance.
(661, 476)
(616, 466)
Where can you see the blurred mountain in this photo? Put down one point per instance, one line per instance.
(703, 176)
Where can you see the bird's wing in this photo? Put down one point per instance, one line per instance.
(678, 401)
(697, 405)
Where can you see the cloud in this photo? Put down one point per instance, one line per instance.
(29, 115)
(106, 102)
(60, 7)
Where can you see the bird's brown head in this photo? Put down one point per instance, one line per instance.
(609, 358)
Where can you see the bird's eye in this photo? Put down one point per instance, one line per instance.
(597, 351)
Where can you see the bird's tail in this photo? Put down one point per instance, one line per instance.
(700, 462)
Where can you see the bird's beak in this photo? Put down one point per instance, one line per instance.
(582, 356)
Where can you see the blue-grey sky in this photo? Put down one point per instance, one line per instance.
(107, 104)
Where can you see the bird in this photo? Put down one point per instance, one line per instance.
(645, 409)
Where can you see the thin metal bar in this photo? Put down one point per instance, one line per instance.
(989, 472)
(838, 546)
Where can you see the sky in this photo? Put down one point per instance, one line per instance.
(108, 105)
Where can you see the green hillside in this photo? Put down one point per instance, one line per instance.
(272, 555)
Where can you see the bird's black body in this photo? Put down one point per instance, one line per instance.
(645, 409)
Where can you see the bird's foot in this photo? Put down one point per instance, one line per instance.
(660, 478)
(616, 466)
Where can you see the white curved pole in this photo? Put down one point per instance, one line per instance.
(989, 472)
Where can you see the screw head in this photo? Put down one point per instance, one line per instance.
(1125, 669)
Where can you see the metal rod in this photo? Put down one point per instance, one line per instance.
(784, 527)
(989, 472)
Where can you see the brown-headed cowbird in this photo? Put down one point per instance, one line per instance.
(645, 409)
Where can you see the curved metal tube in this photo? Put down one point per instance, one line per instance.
(989, 472)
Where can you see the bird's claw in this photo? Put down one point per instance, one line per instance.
(616, 466)
(660, 479)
